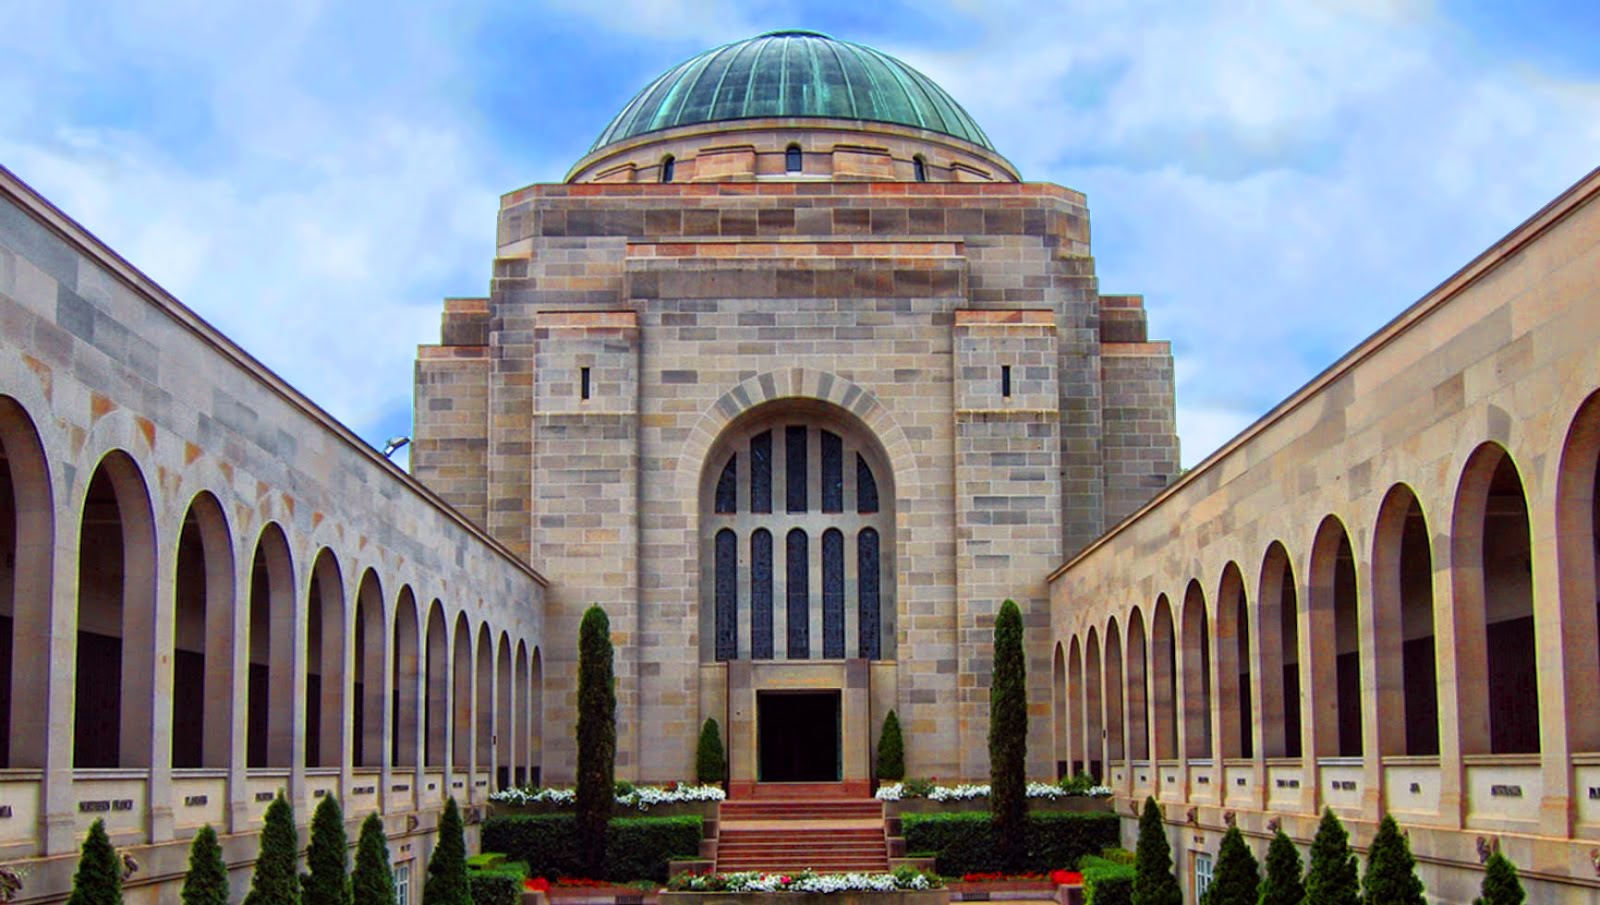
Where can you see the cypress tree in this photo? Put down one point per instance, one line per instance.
(373, 880)
(1281, 885)
(1391, 877)
(1236, 879)
(710, 764)
(99, 877)
(1500, 883)
(207, 882)
(447, 868)
(328, 858)
(1008, 737)
(1153, 881)
(1331, 876)
(597, 739)
(275, 881)
(891, 751)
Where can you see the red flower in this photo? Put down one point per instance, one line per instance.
(536, 884)
(1066, 878)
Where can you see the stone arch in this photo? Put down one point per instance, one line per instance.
(1116, 725)
(269, 724)
(1578, 552)
(368, 698)
(202, 659)
(325, 665)
(815, 477)
(1075, 707)
(27, 535)
(1164, 680)
(1336, 642)
(116, 607)
(1061, 703)
(1403, 627)
(505, 712)
(483, 713)
(1138, 661)
(1495, 632)
(524, 718)
(405, 674)
(1232, 665)
(462, 727)
(436, 713)
(1094, 713)
(536, 718)
(1278, 606)
(1196, 665)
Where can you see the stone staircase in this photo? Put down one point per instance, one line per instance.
(788, 830)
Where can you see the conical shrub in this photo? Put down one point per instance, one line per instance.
(1391, 877)
(1282, 884)
(1236, 879)
(372, 883)
(1153, 880)
(597, 739)
(1500, 883)
(207, 882)
(891, 751)
(275, 881)
(99, 877)
(710, 763)
(1008, 737)
(328, 857)
(447, 868)
(1332, 877)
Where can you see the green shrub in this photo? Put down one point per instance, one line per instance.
(622, 788)
(637, 848)
(1008, 738)
(1154, 883)
(1077, 785)
(1106, 882)
(1237, 879)
(447, 866)
(276, 881)
(966, 842)
(916, 788)
(1282, 884)
(99, 877)
(207, 882)
(372, 881)
(1119, 856)
(891, 751)
(597, 739)
(486, 861)
(495, 887)
(1332, 877)
(328, 857)
(1391, 877)
(710, 761)
(1500, 883)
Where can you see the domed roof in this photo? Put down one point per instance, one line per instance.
(792, 73)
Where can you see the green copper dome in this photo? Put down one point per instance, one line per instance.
(792, 73)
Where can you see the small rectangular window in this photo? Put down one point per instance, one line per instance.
(1005, 381)
(402, 884)
(583, 383)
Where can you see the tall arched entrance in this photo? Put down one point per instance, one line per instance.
(797, 601)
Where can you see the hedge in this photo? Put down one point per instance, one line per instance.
(966, 841)
(497, 886)
(1106, 882)
(637, 848)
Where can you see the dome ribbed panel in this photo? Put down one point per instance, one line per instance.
(792, 74)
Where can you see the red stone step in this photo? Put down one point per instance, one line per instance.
(787, 831)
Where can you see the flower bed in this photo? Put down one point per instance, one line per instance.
(642, 798)
(903, 887)
(1036, 791)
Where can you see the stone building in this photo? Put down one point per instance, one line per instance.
(799, 380)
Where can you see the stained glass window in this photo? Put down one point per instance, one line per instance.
(794, 465)
(761, 595)
(727, 595)
(761, 472)
(798, 595)
(832, 472)
(728, 488)
(832, 594)
(866, 487)
(867, 591)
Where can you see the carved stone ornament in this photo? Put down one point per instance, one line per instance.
(1230, 818)
(1274, 824)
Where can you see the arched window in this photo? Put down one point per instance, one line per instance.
(669, 168)
(920, 168)
(818, 578)
(792, 160)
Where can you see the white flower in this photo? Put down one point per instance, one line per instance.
(890, 792)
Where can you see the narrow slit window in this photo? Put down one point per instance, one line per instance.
(920, 168)
(792, 161)
(669, 168)
(1005, 381)
(583, 383)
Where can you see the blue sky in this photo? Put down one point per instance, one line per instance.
(1278, 179)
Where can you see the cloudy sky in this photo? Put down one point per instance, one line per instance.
(1279, 178)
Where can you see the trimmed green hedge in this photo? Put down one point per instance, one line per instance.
(486, 861)
(496, 886)
(1106, 882)
(637, 848)
(966, 841)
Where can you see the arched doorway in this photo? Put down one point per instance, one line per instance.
(325, 721)
(1402, 591)
(202, 661)
(27, 535)
(269, 735)
(1335, 643)
(1280, 656)
(1196, 665)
